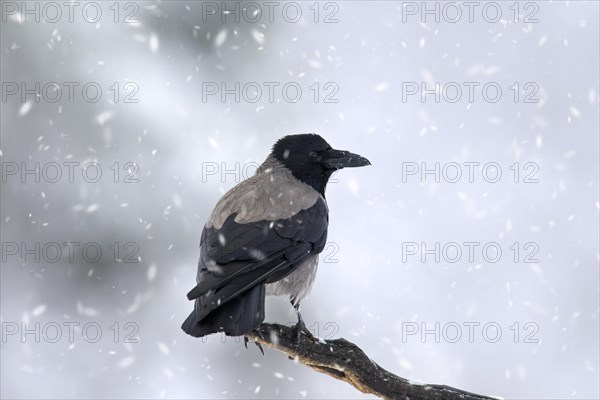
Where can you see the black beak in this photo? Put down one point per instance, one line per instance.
(338, 159)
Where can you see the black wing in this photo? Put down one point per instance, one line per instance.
(237, 257)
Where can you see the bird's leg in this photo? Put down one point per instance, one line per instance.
(259, 333)
(301, 326)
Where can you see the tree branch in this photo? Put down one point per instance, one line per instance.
(347, 362)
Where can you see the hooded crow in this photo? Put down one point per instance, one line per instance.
(264, 237)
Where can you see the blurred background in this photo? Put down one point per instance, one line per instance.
(155, 130)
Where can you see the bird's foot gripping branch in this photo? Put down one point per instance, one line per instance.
(347, 362)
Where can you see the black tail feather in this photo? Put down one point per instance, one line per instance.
(236, 317)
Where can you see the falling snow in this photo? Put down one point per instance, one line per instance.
(368, 289)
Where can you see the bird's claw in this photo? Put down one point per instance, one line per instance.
(260, 348)
(246, 340)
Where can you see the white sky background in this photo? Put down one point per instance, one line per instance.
(370, 296)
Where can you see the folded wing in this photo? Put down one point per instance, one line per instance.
(237, 259)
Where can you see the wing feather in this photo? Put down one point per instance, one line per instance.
(238, 256)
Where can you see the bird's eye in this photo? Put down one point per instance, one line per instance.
(314, 156)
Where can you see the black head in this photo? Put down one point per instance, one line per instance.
(312, 160)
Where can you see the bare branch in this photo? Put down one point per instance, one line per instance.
(347, 362)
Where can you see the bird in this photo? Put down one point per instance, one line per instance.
(264, 237)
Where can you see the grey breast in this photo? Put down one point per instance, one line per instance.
(297, 284)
